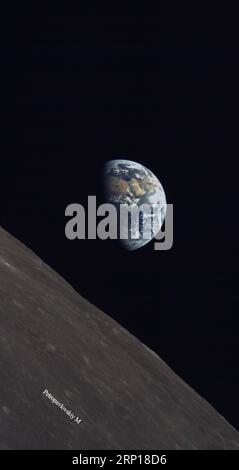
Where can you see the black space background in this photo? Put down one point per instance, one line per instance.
(80, 88)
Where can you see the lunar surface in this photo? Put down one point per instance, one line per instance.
(123, 394)
(133, 185)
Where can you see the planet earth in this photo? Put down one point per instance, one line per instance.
(133, 185)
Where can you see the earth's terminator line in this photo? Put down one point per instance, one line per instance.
(132, 184)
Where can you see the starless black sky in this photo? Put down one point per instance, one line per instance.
(84, 87)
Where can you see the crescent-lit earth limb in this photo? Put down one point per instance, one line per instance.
(132, 184)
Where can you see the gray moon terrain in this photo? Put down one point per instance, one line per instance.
(126, 396)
